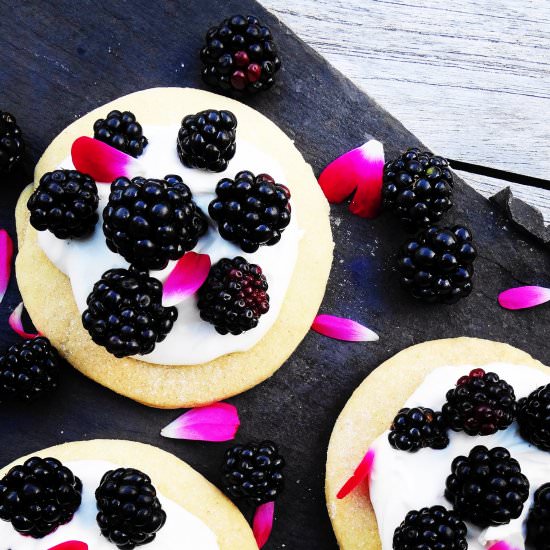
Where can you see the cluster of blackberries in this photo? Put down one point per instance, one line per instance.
(416, 428)
(121, 131)
(12, 145)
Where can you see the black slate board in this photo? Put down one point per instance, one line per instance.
(63, 58)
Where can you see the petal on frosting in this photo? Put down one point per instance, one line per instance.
(6, 254)
(524, 297)
(16, 323)
(361, 473)
(262, 524)
(70, 545)
(217, 422)
(501, 545)
(186, 278)
(341, 328)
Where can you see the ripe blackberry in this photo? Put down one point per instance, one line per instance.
(29, 370)
(240, 56)
(534, 418)
(253, 472)
(251, 210)
(65, 203)
(150, 221)
(538, 521)
(121, 131)
(234, 296)
(39, 496)
(487, 487)
(438, 264)
(433, 528)
(480, 404)
(125, 312)
(12, 145)
(417, 187)
(414, 429)
(130, 513)
(207, 140)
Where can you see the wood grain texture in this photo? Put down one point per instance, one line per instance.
(471, 80)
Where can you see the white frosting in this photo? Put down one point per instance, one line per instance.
(402, 481)
(191, 341)
(182, 530)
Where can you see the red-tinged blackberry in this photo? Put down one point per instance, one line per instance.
(438, 264)
(122, 131)
(125, 312)
(538, 521)
(150, 221)
(240, 56)
(207, 140)
(434, 528)
(130, 513)
(29, 370)
(480, 404)
(487, 487)
(234, 296)
(65, 203)
(12, 145)
(253, 472)
(39, 496)
(251, 211)
(534, 418)
(416, 428)
(417, 187)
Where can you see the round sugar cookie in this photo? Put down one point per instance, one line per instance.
(371, 410)
(49, 300)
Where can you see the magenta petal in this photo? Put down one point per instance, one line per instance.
(262, 524)
(6, 254)
(361, 473)
(217, 422)
(502, 545)
(70, 545)
(523, 297)
(186, 278)
(16, 323)
(340, 179)
(341, 328)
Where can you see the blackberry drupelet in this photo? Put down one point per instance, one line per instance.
(29, 370)
(121, 131)
(533, 417)
(538, 521)
(125, 312)
(251, 210)
(480, 404)
(207, 140)
(234, 296)
(433, 528)
(130, 513)
(150, 221)
(417, 187)
(65, 203)
(438, 264)
(12, 145)
(39, 496)
(487, 487)
(253, 472)
(240, 56)
(416, 428)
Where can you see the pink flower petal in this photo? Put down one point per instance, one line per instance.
(6, 254)
(16, 323)
(341, 328)
(70, 545)
(523, 297)
(502, 545)
(217, 422)
(361, 473)
(262, 524)
(186, 278)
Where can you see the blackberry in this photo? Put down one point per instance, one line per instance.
(121, 131)
(251, 210)
(39, 496)
(253, 472)
(29, 370)
(65, 203)
(433, 528)
(130, 513)
(234, 296)
(438, 264)
(12, 145)
(207, 140)
(534, 418)
(414, 429)
(240, 56)
(487, 487)
(150, 221)
(538, 521)
(125, 312)
(417, 187)
(480, 404)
